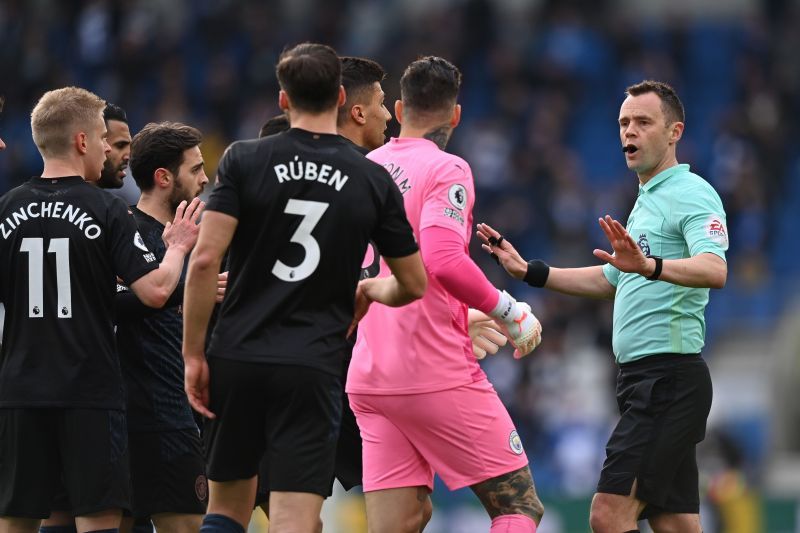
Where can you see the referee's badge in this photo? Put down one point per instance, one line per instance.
(515, 442)
(644, 244)
(458, 196)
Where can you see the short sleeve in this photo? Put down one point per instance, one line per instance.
(449, 199)
(225, 196)
(393, 236)
(701, 218)
(132, 259)
(611, 273)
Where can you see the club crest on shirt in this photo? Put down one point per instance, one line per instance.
(515, 442)
(458, 196)
(644, 244)
(715, 230)
(201, 488)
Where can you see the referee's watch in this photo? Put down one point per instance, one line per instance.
(659, 265)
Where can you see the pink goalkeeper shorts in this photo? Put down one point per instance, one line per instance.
(464, 435)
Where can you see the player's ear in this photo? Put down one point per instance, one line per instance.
(283, 100)
(398, 111)
(81, 142)
(162, 178)
(456, 118)
(357, 114)
(342, 97)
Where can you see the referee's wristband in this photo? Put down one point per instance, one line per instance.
(659, 265)
(537, 273)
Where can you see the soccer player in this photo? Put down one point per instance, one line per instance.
(297, 210)
(63, 244)
(167, 465)
(663, 264)
(421, 400)
(119, 139)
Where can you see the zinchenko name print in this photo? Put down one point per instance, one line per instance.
(61, 210)
(308, 170)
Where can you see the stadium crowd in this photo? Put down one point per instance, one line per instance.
(542, 84)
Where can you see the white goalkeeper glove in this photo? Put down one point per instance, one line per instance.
(518, 323)
(486, 335)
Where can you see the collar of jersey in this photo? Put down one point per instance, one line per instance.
(312, 134)
(411, 140)
(663, 176)
(60, 180)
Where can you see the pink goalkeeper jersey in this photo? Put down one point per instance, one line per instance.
(423, 346)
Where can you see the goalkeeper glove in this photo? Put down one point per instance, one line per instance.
(518, 323)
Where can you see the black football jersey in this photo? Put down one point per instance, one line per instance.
(150, 354)
(63, 242)
(307, 204)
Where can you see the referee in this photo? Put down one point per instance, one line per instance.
(663, 265)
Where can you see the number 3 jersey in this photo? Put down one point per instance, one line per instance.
(63, 242)
(307, 204)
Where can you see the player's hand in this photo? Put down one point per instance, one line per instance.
(183, 230)
(196, 379)
(627, 256)
(222, 286)
(519, 324)
(486, 335)
(363, 302)
(502, 251)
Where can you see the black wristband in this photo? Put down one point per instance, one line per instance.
(537, 273)
(659, 265)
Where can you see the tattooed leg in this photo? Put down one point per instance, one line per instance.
(511, 493)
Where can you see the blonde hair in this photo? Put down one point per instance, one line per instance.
(61, 113)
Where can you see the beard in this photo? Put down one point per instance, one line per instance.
(179, 194)
(109, 176)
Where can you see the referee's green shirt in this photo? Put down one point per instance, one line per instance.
(676, 215)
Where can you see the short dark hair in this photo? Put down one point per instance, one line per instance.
(671, 105)
(114, 112)
(358, 73)
(311, 75)
(274, 125)
(429, 85)
(160, 145)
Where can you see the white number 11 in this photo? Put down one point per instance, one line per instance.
(34, 247)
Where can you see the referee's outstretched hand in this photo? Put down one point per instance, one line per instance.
(627, 256)
(502, 251)
(196, 379)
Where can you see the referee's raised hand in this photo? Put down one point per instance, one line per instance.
(627, 256)
(502, 251)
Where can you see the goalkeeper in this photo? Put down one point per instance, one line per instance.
(421, 400)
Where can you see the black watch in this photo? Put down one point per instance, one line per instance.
(659, 265)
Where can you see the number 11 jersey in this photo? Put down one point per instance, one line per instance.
(307, 204)
(63, 242)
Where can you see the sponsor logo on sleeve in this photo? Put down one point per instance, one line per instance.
(139, 242)
(455, 215)
(458, 196)
(716, 231)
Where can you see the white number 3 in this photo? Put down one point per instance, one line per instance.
(312, 213)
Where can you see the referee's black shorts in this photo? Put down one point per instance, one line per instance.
(290, 414)
(664, 401)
